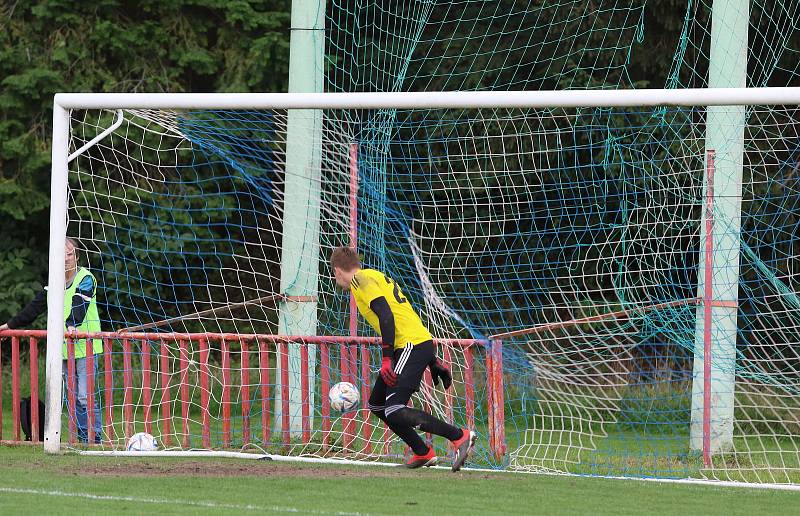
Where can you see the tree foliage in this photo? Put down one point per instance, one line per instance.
(110, 46)
(169, 46)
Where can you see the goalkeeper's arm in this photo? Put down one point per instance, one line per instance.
(386, 322)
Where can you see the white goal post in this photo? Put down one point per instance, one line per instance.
(712, 338)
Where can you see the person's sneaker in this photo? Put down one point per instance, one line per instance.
(427, 460)
(463, 446)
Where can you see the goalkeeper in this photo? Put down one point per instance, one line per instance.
(407, 349)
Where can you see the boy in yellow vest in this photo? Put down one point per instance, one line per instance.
(407, 350)
(80, 314)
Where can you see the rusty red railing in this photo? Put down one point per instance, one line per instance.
(156, 387)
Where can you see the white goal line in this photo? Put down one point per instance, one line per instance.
(350, 462)
(172, 501)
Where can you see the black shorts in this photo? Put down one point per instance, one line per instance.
(409, 365)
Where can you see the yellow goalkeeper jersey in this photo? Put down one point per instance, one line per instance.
(368, 285)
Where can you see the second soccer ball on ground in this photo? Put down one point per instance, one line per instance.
(142, 441)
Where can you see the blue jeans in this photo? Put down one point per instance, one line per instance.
(80, 415)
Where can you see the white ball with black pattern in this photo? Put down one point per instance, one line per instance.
(344, 397)
(142, 441)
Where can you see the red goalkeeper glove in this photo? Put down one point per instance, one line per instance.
(438, 370)
(387, 372)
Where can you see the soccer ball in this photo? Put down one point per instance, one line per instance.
(142, 442)
(344, 396)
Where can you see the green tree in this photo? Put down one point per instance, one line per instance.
(110, 46)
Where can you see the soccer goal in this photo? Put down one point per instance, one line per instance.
(610, 274)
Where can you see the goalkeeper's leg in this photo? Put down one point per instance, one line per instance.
(377, 405)
(411, 363)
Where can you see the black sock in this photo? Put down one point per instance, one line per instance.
(434, 425)
(403, 421)
(404, 432)
(411, 438)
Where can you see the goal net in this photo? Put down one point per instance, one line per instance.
(571, 262)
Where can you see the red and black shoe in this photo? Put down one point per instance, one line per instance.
(462, 447)
(418, 461)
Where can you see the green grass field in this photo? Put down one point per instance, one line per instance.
(33, 483)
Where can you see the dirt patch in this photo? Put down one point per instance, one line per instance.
(236, 468)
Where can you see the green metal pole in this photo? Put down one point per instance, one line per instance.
(718, 289)
(300, 251)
